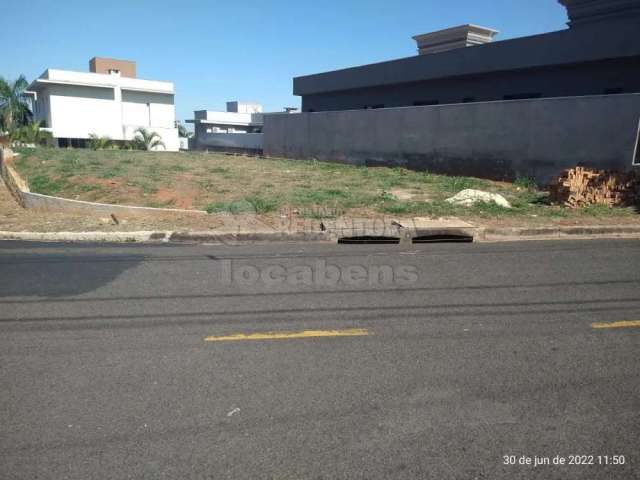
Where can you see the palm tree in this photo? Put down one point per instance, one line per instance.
(146, 140)
(15, 108)
(96, 142)
(30, 134)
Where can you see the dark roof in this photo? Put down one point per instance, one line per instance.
(600, 41)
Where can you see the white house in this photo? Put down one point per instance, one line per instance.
(108, 101)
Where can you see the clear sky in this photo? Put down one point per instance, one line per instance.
(216, 51)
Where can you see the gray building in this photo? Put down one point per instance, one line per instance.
(467, 105)
(239, 129)
(598, 54)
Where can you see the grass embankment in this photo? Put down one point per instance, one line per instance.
(220, 183)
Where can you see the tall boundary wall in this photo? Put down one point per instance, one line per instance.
(499, 140)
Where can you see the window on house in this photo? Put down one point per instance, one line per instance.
(425, 103)
(522, 96)
(613, 91)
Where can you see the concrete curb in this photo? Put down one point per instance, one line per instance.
(249, 237)
(504, 234)
(488, 235)
(108, 237)
(12, 181)
(168, 236)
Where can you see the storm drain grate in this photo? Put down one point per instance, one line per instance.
(443, 238)
(369, 239)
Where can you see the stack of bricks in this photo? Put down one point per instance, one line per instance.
(581, 186)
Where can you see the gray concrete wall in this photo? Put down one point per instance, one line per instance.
(230, 141)
(499, 140)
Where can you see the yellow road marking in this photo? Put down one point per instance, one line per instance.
(623, 324)
(353, 332)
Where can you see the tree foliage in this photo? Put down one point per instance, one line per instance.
(147, 140)
(97, 142)
(15, 111)
(30, 134)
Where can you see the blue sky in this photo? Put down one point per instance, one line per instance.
(216, 51)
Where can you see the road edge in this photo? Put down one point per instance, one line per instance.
(481, 235)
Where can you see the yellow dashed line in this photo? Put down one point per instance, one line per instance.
(623, 324)
(353, 332)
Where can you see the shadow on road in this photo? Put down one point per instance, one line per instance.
(31, 275)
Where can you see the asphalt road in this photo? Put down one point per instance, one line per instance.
(463, 354)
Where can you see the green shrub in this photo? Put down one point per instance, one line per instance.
(248, 205)
(262, 204)
(97, 142)
(45, 185)
(217, 208)
(457, 184)
(237, 207)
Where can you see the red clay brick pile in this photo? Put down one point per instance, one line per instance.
(581, 186)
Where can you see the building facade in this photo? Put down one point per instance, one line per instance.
(599, 54)
(240, 117)
(237, 129)
(466, 105)
(107, 101)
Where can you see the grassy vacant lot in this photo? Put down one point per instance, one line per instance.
(220, 183)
